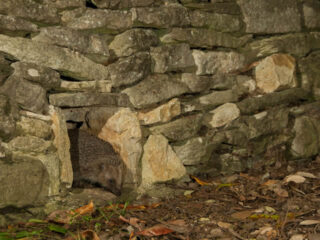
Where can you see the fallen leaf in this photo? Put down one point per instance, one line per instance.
(294, 178)
(177, 225)
(314, 236)
(156, 230)
(85, 209)
(200, 182)
(297, 237)
(306, 174)
(242, 215)
(270, 209)
(188, 193)
(89, 235)
(60, 216)
(224, 225)
(133, 221)
(309, 222)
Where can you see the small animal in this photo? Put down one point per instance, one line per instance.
(94, 162)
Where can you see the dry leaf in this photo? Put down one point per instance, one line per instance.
(133, 221)
(200, 182)
(60, 216)
(242, 215)
(156, 230)
(310, 222)
(306, 174)
(89, 235)
(294, 178)
(224, 225)
(85, 209)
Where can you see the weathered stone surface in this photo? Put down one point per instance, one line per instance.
(61, 59)
(172, 58)
(63, 4)
(23, 182)
(29, 96)
(92, 45)
(7, 118)
(34, 127)
(222, 7)
(223, 115)
(210, 101)
(15, 26)
(62, 143)
(311, 13)
(310, 70)
(180, 129)
(29, 144)
(123, 4)
(245, 85)
(215, 21)
(270, 16)
(123, 131)
(161, 114)
(132, 41)
(154, 89)
(275, 73)
(85, 86)
(172, 15)
(159, 162)
(97, 19)
(306, 141)
(44, 76)
(97, 117)
(196, 83)
(5, 69)
(194, 151)
(297, 44)
(255, 104)
(213, 62)
(204, 38)
(88, 99)
(75, 114)
(31, 10)
(229, 163)
(130, 70)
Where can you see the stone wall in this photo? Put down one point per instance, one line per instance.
(176, 87)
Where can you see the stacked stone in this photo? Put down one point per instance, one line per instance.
(176, 87)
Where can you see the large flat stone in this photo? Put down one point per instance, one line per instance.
(123, 4)
(154, 89)
(204, 38)
(88, 99)
(172, 58)
(213, 62)
(16, 26)
(270, 16)
(61, 59)
(34, 127)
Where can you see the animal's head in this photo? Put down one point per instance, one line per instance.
(111, 178)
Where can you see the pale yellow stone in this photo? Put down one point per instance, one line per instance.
(161, 114)
(224, 114)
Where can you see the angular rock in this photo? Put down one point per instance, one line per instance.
(230, 163)
(194, 151)
(306, 141)
(196, 83)
(172, 58)
(276, 72)
(24, 182)
(297, 44)
(311, 13)
(29, 96)
(88, 99)
(221, 7)
(217, 62)
(30, 10)
(5, 69)
(34, 127)
(245, 85)
(154, 89)
(75, 114)
(210, 101)
(44, 76)
(223, 115)
(123, 4)
(92, 45)
(273, 16)
(310, 70)
(173, 15)
(204, 38)
(254, 104)
(161, 114)
(180, 129)
(97, 19)
(123, 131)
(61, 59)
(64, 4)
(215, 21)
(62, 143)
(15, 26)
(27, 144)
(130, 70)
(85, 86)
(159, 162)
(132, 41)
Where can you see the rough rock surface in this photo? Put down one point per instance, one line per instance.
(224, 114)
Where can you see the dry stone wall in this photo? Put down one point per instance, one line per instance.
(177, 87)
